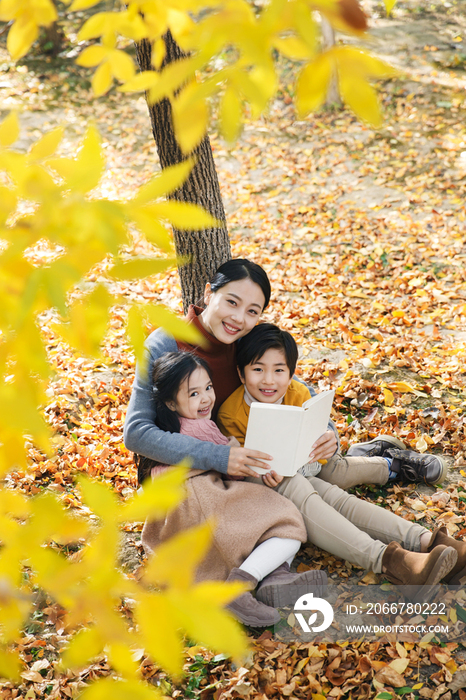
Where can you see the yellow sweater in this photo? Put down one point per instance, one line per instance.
(233, 415)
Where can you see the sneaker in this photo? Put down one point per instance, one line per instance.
(376, 447)
(416, 468)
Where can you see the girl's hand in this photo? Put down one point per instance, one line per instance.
(325, 447)
(272, 479)
(241, 460)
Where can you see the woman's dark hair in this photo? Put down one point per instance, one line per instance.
(240, 269)
(263, 337)
(168, 373)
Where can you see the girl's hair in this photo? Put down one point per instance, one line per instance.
(263, 337)
(240, 269)
(168, 374)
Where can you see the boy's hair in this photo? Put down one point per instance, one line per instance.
(266, 336)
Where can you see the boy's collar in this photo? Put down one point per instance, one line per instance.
(249, 399)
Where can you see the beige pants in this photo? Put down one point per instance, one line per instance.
(345, 525)
(346, 472)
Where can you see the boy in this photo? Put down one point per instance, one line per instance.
(266, 360)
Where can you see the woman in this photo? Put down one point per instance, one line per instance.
(350, 527)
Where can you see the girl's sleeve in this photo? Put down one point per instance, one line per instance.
(142, 436)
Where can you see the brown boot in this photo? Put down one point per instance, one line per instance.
(246, 608)
(440, 536)
(420, 572)
(282, 587)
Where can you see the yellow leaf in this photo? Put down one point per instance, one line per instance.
(189, 547)
(83, 4)
(421, 445)
(99, 498)
(88, 167)
(10, 665)
(166, 649)
(293, 48)
(141, 267)
(169, 180)
(158, 53)
(84, 646)
(121, 64)
(159, 496)
(92, 56)
(360, 96)
(9, 129)
(190, 117)
(161, 317)
(88, 321)
(418, 686)
(398, 313)
(46, 145)
(389, 399)
(110, 688)
(21, 37)
(399, 665)
(208, 624)
(389, 5)
(152, 229)
(312, 85)
(135, 326)
(121, 658)
(401, 650)
(102, 79)
(141, 81)
(230, 113)
(184, 216)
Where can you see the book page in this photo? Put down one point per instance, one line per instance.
(275, 431)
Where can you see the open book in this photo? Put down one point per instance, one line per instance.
(287, 433)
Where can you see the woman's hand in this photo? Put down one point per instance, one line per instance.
(241, 460)
(325, 447)
(272, 479)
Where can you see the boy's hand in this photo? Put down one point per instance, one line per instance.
(325, 447)
(241, 460)
(272, 479)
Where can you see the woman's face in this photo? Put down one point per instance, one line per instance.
(233, 310)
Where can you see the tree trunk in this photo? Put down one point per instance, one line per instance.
(209, 248)
(328, 40)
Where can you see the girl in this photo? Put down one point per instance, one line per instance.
(256, 530)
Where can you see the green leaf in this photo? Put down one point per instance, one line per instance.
(461, 612)
(383, 696)
(141, 267)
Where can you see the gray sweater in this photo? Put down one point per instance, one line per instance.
(141, 435)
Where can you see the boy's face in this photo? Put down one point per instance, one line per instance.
(268, 378)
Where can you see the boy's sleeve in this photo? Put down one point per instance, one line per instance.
(229, 421)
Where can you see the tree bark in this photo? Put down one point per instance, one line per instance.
(209, 248)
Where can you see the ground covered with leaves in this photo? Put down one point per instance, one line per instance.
(363, 235)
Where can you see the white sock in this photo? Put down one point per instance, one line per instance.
(268, 556)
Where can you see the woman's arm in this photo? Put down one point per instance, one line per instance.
(141, 435)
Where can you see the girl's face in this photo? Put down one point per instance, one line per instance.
(195, 397)
(233, 310)
(268, 378)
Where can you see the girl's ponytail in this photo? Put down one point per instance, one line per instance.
(165, 418)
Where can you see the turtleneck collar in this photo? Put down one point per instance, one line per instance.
(249, 399)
